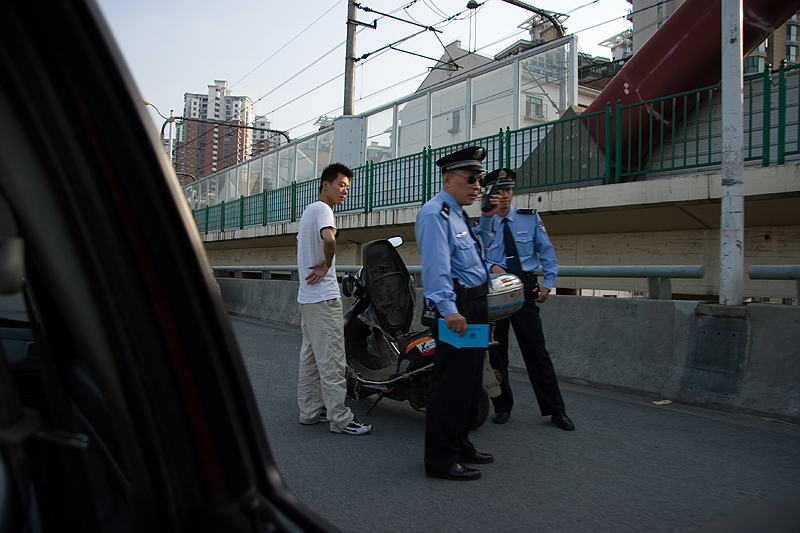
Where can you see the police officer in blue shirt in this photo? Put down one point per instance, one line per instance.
(454, 277)
(519, 242)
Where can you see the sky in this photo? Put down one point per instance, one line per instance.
(288, 57)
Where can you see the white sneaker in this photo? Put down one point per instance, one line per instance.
(353, 428)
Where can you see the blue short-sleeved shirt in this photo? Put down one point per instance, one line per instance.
(530, 238)
(447, 251)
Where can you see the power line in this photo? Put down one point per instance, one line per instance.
(307, 92)
(290, 41)
(375, 54)
(314, 62)
(447, 21)
(323, 56)
(581, 7)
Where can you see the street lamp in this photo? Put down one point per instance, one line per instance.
(167, 120)
(473, 4)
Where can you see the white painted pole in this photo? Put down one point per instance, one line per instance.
(732, 217)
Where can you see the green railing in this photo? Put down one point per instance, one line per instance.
(560, 152)
(670, 134)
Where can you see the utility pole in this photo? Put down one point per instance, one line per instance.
(350, 60)
(731, 231)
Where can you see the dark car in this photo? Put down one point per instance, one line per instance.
(124, 401)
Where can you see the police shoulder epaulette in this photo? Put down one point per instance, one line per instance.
(445, 212)
(526, 211)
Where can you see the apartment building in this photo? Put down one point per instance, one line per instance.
(212, 136)
(263, 140)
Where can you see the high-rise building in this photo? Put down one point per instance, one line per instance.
(212, 136)
(262, 139)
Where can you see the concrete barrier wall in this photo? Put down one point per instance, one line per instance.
(743, 359)
(631, 345)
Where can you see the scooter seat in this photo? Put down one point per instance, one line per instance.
(387, 282)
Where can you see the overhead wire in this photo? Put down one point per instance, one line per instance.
(404, 7)
(377, 53)
(445, 22)
(289, 42)
(436, 10)
(321, 57)
(364, 98)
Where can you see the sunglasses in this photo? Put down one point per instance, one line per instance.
(472, 178)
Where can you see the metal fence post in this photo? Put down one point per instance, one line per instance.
(264, 207)
(766, 113)
(659, 288)
(608, 138)
(207, 209)
(293, 204)
(618, 147)
(241, 212)
(500, 149)
(782, 112)
(508, 147)
(368, 189)
(426, 174)
(222, 216)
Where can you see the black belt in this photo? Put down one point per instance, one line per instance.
(430, 315)
(476, 292)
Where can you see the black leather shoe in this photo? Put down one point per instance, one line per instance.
(458, 472)
(562, 421)
(477, 458)
(501, 418)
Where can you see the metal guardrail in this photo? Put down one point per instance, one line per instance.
(658, 276)
(779, 272)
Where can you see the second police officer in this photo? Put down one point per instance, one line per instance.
(519, 242)
(454, 278)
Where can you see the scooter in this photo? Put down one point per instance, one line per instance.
(385, 358)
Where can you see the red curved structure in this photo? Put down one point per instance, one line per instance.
(683, 55)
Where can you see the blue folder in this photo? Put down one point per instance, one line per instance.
(476, 336)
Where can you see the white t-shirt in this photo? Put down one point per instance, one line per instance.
(315, 217)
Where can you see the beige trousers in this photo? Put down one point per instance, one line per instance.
(321, 379)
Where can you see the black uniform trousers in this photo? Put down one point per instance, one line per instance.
(453, 397)
(530, 337)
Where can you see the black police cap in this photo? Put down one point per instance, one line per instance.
(466, 159)
(503, 176)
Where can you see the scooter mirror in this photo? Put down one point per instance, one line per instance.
(348, 284)
(396, 241)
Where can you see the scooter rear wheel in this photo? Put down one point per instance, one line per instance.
(483, 411)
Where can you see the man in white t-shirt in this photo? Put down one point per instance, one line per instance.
(321, 384)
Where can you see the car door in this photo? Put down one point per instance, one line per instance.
(147, 421)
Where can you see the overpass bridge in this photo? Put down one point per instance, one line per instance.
(668, 221)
